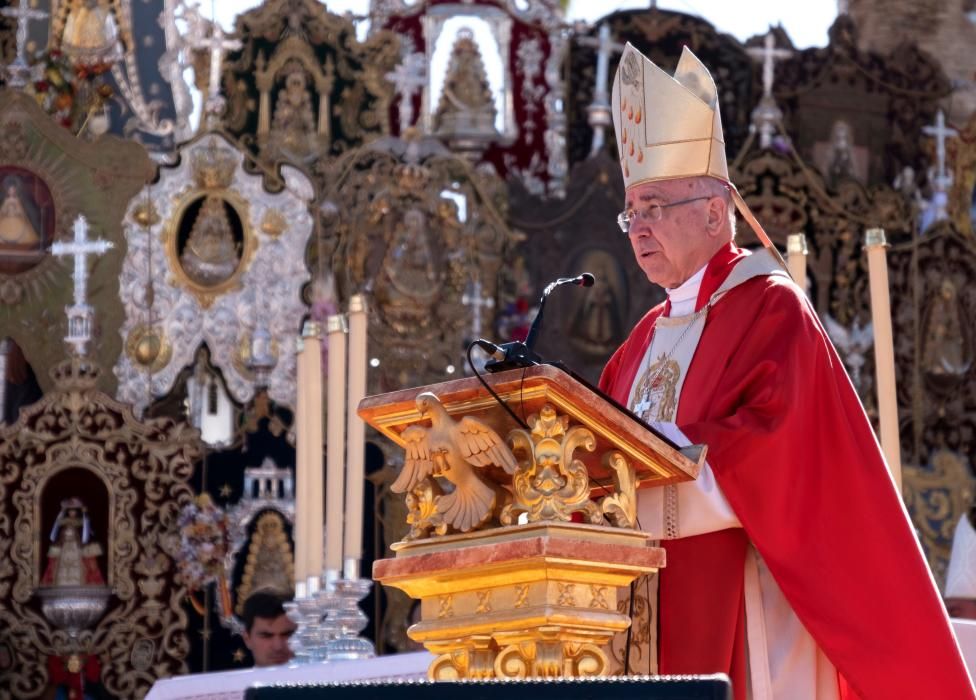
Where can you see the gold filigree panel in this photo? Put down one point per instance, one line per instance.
(937, 496)
(55, 177)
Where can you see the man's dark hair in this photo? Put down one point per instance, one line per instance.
(266, 604)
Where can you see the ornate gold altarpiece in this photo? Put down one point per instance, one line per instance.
(518, 567)
(133, 478)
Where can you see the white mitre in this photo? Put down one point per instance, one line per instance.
(670, 127)
(961, 577)
(666, 127)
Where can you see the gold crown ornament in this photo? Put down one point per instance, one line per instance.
(213, 167)
(669, 127)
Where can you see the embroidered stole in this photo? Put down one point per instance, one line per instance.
(654, 396)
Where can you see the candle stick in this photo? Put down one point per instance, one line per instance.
(356, 436)
(316, 496)
(335, 441)
(300, 530)
(884, 351)
(796, 258)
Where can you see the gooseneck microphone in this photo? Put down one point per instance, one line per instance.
(584, 280)
(518, 354)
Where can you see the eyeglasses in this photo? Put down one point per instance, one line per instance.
(650, 213)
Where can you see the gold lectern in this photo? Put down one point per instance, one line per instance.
(518, 545)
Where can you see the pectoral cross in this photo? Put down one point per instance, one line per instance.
(645, 405)
(599, 110)
(80, 314)
(942, 180)
(477, 301)
(18, 71)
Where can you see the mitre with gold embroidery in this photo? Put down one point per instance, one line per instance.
(669, 127)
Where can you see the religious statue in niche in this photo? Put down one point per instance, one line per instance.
(293, 129)
(26, 219)
(839, 159)
(209, 241)
(91, 35)
(597, 323)
(72, 558)
(410, 264)
(467, 106)
(947, 357)
(269, 559)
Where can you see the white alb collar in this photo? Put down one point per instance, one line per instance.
(683, 297)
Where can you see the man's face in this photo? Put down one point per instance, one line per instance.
(962, 608)
(671, 250)
(268, 640)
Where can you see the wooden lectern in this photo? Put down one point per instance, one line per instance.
(521, 536)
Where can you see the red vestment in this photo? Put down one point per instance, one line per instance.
(793, 452)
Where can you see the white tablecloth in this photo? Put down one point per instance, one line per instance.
(230, 685)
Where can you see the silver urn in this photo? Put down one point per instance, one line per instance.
(73, 608)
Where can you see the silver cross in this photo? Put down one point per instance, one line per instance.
(80, 314)
(477, 301)
(408, 77)
(18, 71)
(943, 179)
(216, 43)
(768, 54)
(644, 406)
(599, 111)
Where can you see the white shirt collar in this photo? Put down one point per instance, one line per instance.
(683, 297)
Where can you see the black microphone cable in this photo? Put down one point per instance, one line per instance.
(482, 344)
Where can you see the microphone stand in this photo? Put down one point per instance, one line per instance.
(518, 354)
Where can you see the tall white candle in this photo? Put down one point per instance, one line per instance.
(356, 436)
(335, 444)
(300, 530)
(316, 490)
(884, 350)
(796, 258)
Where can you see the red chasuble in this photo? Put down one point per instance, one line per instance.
(795, 455)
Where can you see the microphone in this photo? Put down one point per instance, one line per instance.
(584, 280)
(517, 354)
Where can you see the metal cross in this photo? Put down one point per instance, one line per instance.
(477, 301)
(599, 111)
(940, 132)
(768, 55)
(408, 77)
(216, 43)
(80, 313)
(644, 405)
(18, 71)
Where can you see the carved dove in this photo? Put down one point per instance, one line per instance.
(451, 449)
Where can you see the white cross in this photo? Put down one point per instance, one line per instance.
(408, 77)
(80, 313)
(599, 111)
(19, 70)
(940, 132)
(216, 43)
(644, 406)
(477, 301)
(768, 55)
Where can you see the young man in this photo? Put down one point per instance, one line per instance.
(791, 563)
(267, 629)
